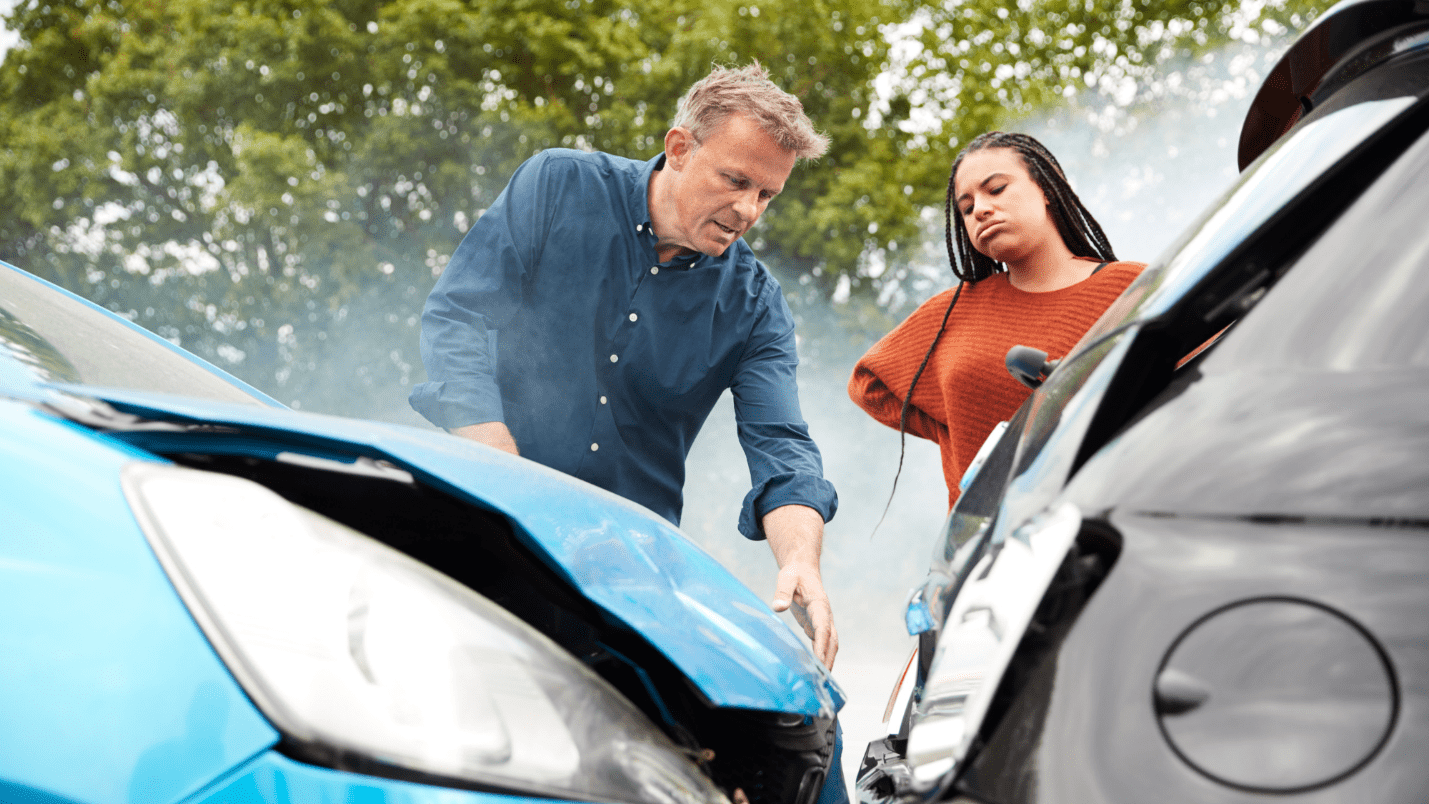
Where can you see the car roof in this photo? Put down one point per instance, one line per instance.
(1350, 38)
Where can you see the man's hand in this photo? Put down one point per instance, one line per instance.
(796, 535)
(492, 434)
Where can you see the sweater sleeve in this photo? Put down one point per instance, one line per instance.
(871, 393)
(882, 377)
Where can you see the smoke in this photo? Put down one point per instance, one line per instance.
(1145, 165)
(1146, 169)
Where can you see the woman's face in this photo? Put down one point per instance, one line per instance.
(1003, 209)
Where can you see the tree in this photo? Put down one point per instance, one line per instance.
(237, 175)
(263, 179)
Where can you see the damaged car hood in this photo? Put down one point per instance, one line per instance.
(636, 567)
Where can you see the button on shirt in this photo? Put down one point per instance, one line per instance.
(556, 317)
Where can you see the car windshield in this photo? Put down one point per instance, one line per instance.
(1357, 300)
(62, 339)
(1285, 170)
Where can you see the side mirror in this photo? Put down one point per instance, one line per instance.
(1029, 366)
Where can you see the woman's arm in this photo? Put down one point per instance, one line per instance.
(870, 392)
(882, 377)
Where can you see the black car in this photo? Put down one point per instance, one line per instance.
(1194, 569)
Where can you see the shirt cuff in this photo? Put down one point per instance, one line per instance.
(786, 489)
(450, 406)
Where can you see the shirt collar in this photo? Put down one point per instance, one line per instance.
(640, 198)
(640, 194)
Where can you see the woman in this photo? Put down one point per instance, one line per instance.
(1036, 270)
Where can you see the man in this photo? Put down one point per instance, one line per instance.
(592, 317)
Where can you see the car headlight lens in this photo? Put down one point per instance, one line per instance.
(984, 626)
(351, 647)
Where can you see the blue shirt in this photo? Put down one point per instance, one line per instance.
(556, 317)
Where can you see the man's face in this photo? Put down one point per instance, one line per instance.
(722, 185)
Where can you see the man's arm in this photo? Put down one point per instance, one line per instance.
(796, 535)
(789, 500)
(492, 434)
(478, 295)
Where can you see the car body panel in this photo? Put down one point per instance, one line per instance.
(79, 321)
(1253, 476)
(1300, 444)
(1287, 465)
(128, 702)
(111, 691)
(632, 564)
(1093, 721)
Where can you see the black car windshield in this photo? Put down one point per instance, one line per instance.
(1358, 300)
(1285, 170)
(62, 339)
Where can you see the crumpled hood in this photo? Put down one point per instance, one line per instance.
(626, 560)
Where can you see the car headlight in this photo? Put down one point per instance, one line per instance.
(351, 648)
(987, 621)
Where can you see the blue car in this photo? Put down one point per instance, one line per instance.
(206, 596)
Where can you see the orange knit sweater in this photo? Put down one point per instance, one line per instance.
(966, 388)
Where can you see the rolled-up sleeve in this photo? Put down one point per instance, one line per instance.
(785, 467)
(478, 294)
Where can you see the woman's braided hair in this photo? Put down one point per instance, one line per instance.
(1079, 230)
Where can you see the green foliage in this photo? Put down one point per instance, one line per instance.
(262, 179)
(993, 60)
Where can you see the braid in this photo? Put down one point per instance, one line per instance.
(1079, 230)
(903, 414)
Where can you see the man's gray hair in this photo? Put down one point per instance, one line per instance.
(748, 91)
